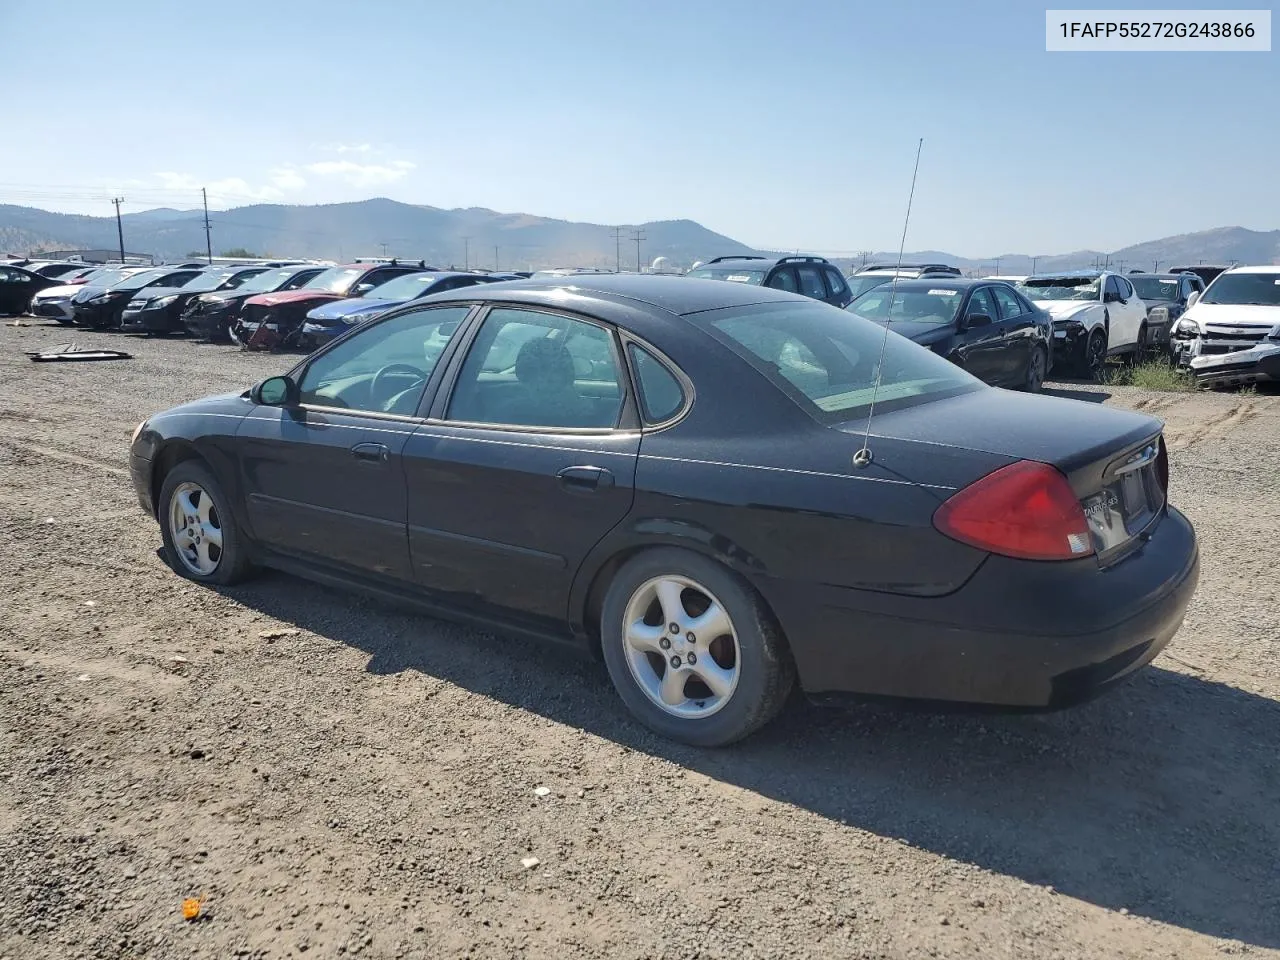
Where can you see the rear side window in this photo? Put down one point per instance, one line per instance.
(661, 395)
(827, 360)
(835, 282)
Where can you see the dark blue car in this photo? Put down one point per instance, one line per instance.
(334, 319)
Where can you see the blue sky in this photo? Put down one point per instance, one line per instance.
(782, 125)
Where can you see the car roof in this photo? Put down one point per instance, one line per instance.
(1260, 268)
(749, 261)
(673, 294)
(934, 283)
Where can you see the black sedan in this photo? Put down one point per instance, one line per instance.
(987, 327)
(101, 308)
(672, 474)
(158, 310)
(17, 286)
(209, 316)
(1167, 297)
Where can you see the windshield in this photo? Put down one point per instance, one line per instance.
(404, 287)
(826, 360)
(335, 279)
(268, 281)
(734, 274)
(1155, 288)
(104, 276)
(137, 281)
(933, 305)
(861, 283)
(1261, 289)
(1061, 288)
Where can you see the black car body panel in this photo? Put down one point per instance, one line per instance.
(17, 286)
(479, 522)
(103, 307)
(997, 351)
(209, 316)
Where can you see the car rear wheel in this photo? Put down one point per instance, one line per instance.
(201, 539)
(692, 649)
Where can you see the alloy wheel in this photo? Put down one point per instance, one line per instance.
(681, 646)
(1097, 354)
(195, 528)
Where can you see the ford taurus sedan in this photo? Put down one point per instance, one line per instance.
(678, 476)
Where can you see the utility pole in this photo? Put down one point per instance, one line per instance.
(495, 257)
(208, 241)
(1033, 264)
(120, 227)
(384, 248)
(617, 244)
(637, 236)
(466, 253)
(997, 273)
(1155, 266)
(1122, 263)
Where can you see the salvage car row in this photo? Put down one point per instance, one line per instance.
(1009, 331)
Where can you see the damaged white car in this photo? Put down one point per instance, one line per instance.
(1231, 333)
(1096, 315)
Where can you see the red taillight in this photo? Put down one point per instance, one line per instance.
(1025, 510)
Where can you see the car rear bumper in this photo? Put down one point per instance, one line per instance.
(1019, 634)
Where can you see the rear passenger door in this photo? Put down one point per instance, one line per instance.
(527, 460)
(1017, 334)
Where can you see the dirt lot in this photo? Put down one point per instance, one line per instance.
(336, 777)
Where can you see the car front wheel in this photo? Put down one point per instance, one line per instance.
(692, 649)
(201, 539)
(1036, 367)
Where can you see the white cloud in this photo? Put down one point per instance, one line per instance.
(347, 147)
(233, 191)
(362, 174)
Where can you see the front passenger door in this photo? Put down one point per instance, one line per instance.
(1017, 332)
(981, 342)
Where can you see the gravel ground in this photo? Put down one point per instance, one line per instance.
(335, 777)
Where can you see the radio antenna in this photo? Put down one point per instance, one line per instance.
(863, 457)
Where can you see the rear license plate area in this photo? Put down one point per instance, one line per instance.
(1124, 508)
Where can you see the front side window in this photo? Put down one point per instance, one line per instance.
(533, 369)
(829, 362)
(1010, 306)
(385, 367)
(981, 304)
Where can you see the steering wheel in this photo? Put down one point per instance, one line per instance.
(379, 381)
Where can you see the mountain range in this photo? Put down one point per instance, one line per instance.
(476, 236)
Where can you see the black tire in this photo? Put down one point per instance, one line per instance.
(1141, 348)
(1037, 369)
(1094, 359)
(233, 563)
(766, 672)
(66, 322)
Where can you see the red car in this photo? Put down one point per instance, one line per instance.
(275, 319)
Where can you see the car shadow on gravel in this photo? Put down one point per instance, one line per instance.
(1160, 798)
(1088, 396)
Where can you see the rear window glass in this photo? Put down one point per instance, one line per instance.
(734, 274)
(827, 359)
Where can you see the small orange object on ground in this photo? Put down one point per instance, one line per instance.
(190, 908)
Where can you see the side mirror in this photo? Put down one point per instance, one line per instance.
(977, 320)
(275, 392)
(1110, 297)
(362, 288)
(1193, 299)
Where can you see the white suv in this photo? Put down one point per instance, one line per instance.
(1232, 330)
(1096, 315)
